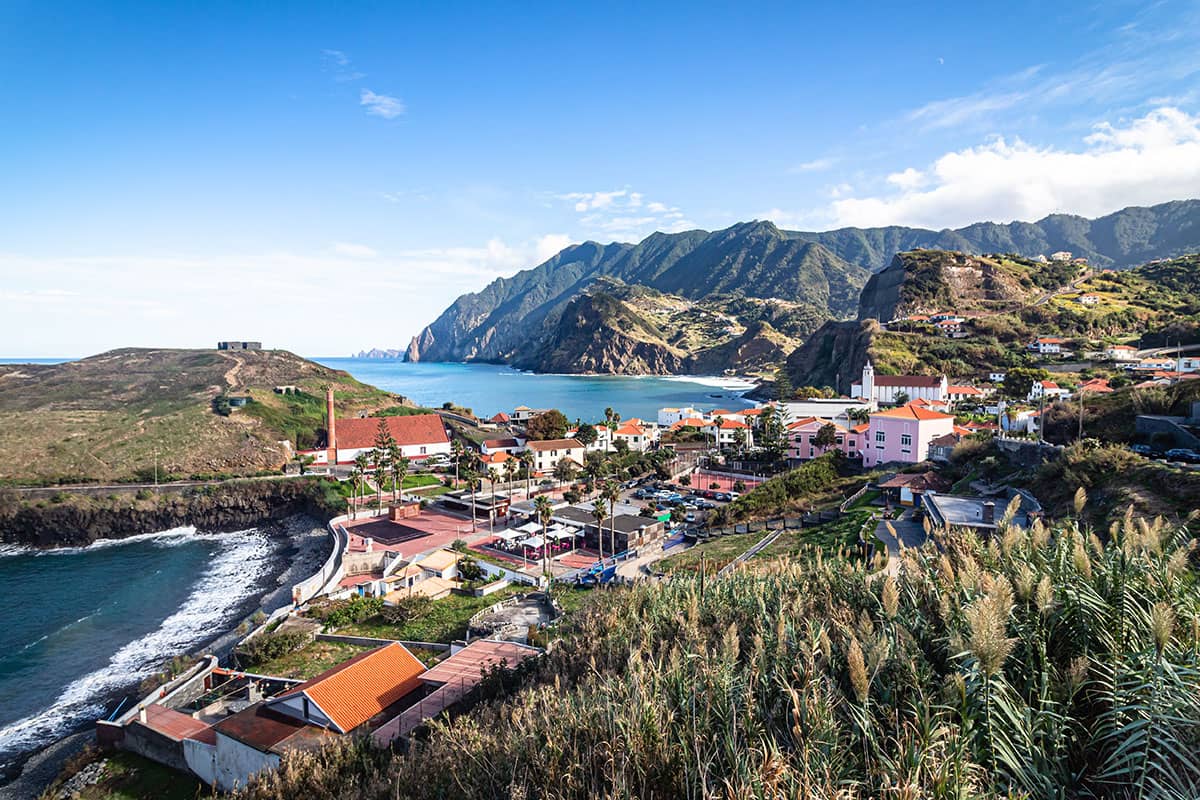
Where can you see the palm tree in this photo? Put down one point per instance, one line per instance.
(545, 513)
(456, 454)
(612, 493)
(380, 473)
(362, 463)
(399, 467)
(510, 472)
(527, 462)
(470, 475)
(356, 477)
(600, 513)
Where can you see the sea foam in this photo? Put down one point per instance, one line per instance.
(232, 577)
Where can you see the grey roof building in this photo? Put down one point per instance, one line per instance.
(981, 513)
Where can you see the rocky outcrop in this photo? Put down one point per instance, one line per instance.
(833, 356)
(78, 520)
(759, 347)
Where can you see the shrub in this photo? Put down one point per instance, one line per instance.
(271, 645)
(339, 613)
(407, 609)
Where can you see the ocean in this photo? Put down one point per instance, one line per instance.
(82, 626)
(489, 388)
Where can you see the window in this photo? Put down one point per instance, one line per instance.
(880, 437)
(422, 449)
(905, 443)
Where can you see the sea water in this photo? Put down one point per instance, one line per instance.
(81, 627)
(489, 388)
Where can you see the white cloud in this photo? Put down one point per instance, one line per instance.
(624, 215)
(381, 105)
(816, 165)
(354, 250)
(194, 300)
(338, 63)
(550, 244)
(1148, 160)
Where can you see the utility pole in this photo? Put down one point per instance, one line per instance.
(155, 467)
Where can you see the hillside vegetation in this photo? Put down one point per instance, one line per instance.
(112, 416)
(1039, 665)
(518, 318)
(512, 319)
(1009, 302)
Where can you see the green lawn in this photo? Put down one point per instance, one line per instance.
(308, 661)
(422, 479)
(447, 620)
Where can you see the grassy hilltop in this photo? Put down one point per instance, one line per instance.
(102, 418)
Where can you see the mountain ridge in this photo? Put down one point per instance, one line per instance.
(513, 317)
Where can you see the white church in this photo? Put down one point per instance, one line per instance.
(884, 389)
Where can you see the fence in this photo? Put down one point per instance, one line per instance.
(778, 523)
(751, 553)
(368, 641)
(850, 500)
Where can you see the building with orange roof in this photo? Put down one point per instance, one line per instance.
(632, 434)
(549, 452)
(902, 435)
(353, 697)
(1048, 390)
(725, 432)
(1096, 386)
(418, 436)
(507, 444)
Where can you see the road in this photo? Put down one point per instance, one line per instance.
(909, 532)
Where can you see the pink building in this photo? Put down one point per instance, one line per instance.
(802, 433)
(903, 435)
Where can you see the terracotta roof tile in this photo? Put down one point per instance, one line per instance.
(555, 444)
(356, 690)
(913, 412)
(359, 434)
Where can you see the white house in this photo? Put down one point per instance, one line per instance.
(1061, 255)
(821, 408)
(418, 436)
(1121, 352)
(633, 434)
(885, 389)
(1047, 345)
(669, 416)
(1188, 364)
(725, 432)
(1089, 299)
(997, 377)
(547, 453)
(512, 446)
(1047, 389)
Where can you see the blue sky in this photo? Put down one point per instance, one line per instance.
(329, 179)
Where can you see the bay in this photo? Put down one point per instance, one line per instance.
(489, 388)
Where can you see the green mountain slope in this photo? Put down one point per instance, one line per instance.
(512, 318)
(1122, 239)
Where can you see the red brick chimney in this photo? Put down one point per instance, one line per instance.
(330, 426)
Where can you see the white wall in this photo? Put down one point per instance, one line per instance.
(236, 763)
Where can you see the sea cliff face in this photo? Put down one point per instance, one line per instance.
(79, 520)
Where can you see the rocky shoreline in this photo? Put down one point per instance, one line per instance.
(77, 520)
(304, 545)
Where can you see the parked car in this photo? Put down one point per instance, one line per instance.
(706, 504)
(734, 495)
(723, 497)
(690, 517)
(1141, 449)
(1183, 454)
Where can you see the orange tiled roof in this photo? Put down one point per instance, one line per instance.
(499, 457)
(913, 412)
(555, 444)
(359, 434)
(356, 690)
(963, 390)
(629, 429)
(690, 422)
(751, 412)
(726, 424)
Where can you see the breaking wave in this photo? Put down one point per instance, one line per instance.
(234, 575)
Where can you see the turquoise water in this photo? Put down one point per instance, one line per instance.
(80, 627)
(489, 388)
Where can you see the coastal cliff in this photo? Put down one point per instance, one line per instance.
(78, 520)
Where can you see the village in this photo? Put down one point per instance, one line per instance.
(500, 523)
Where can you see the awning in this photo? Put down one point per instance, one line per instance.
(509, 536)
(533, 542)
(530, 527)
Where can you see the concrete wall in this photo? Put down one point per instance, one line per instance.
(151, 744)
(201, 759)
(236, 763)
